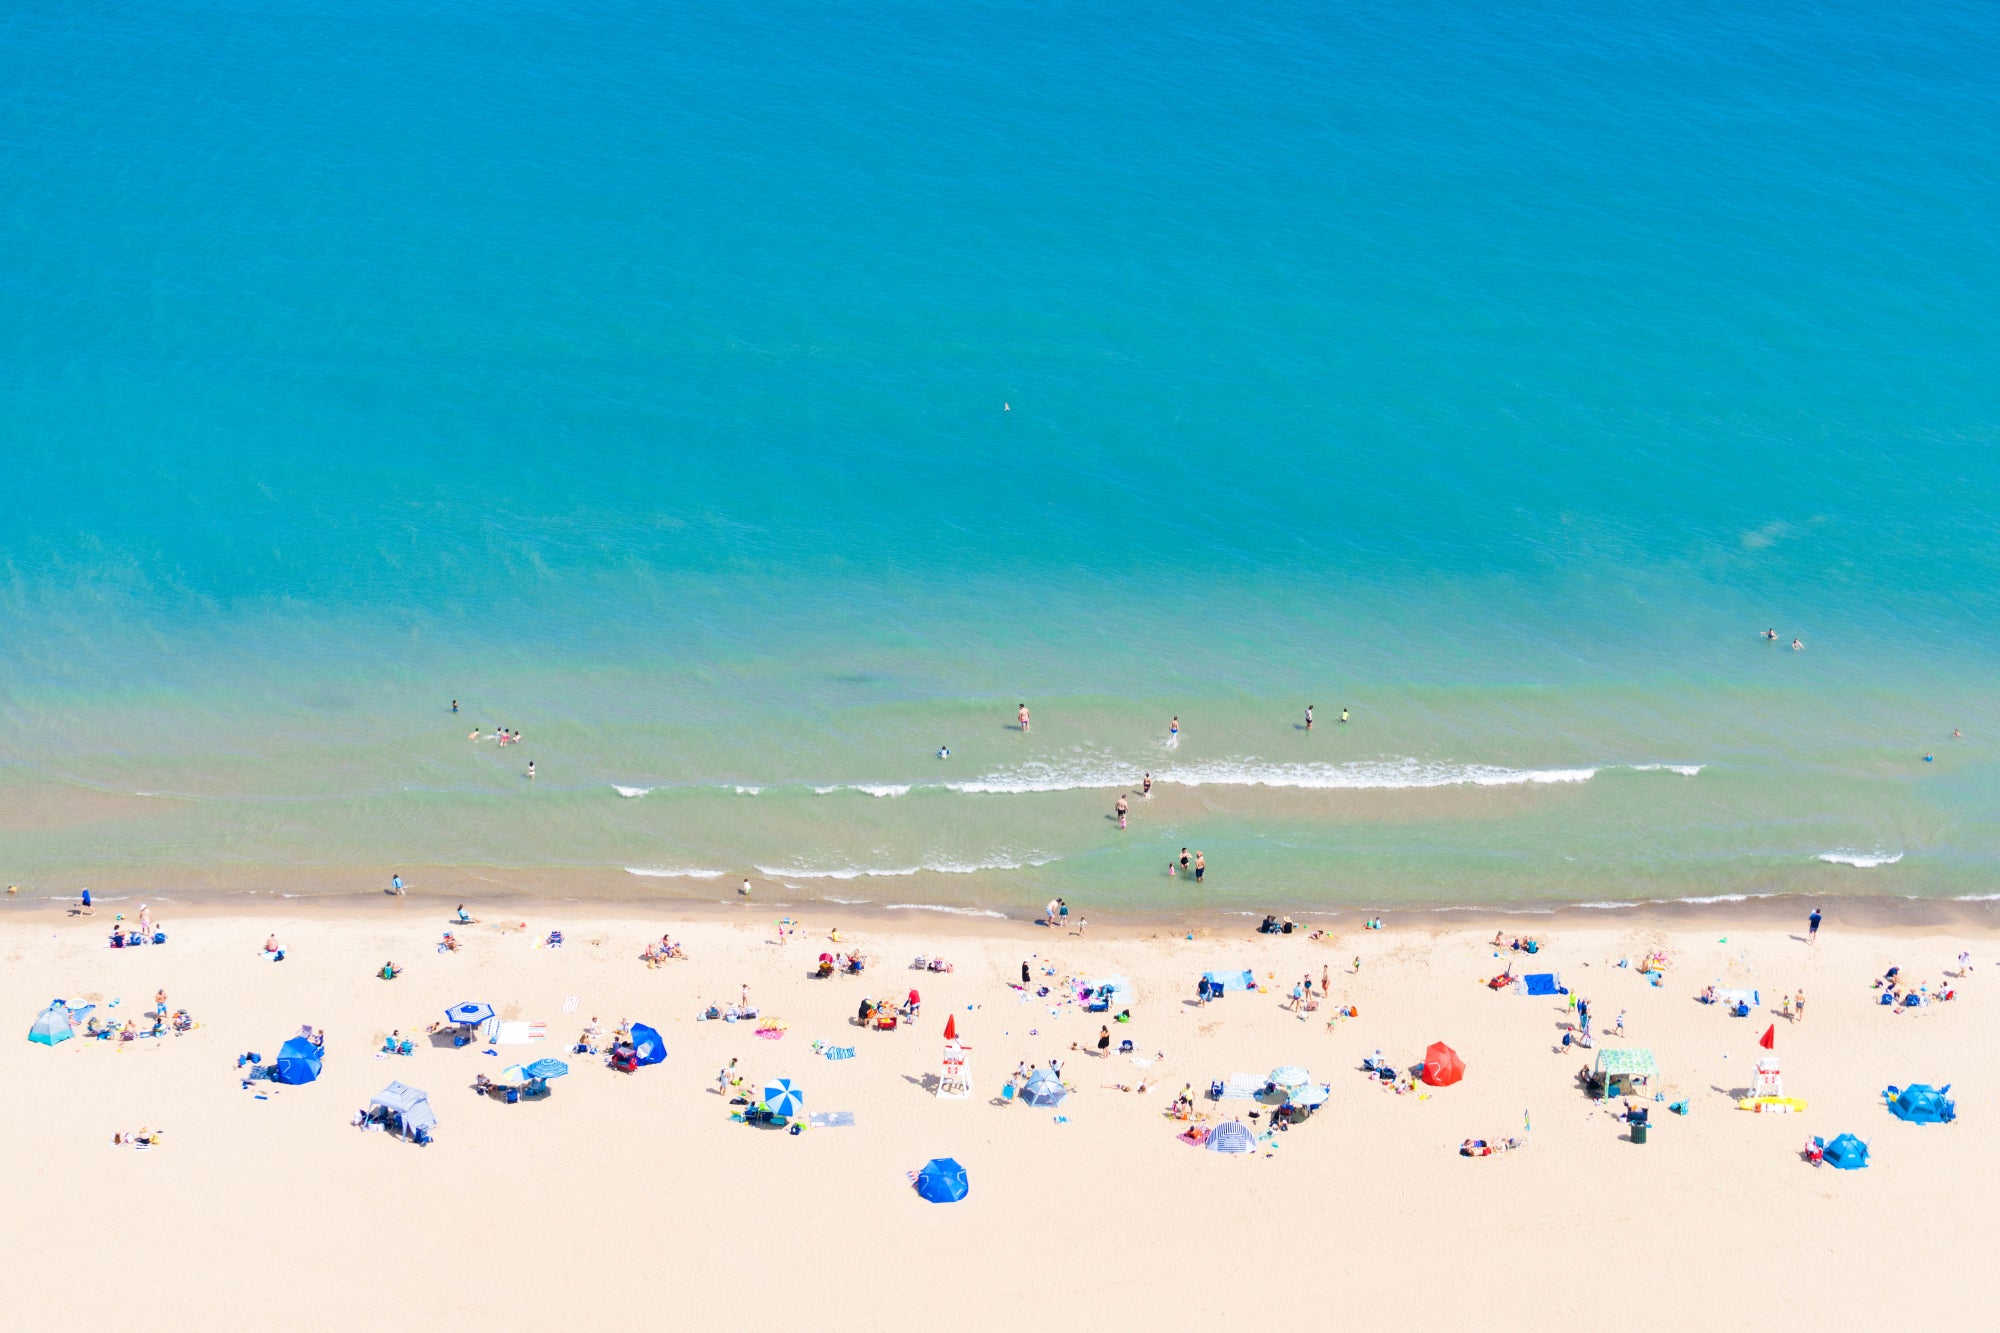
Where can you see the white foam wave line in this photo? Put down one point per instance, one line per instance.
(668, 872)
(940, 907)
(631, 793)
(879, 789)
(1859, 860)
(1975, 898)
(1394, 775)
(847, 902)
(1684, 770)
(749, 791)
(896, 872)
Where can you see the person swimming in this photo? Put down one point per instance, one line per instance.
(944, 752)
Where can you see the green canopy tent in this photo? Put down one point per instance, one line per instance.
(1630, 1063)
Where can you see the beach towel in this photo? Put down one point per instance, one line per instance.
(831, 1119)
(520, 1034)
(1242, 1086)
(569, 1004)
(1543, 983)
(840, 1052)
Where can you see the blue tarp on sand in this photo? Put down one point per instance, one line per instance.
(1543, 983)
(1224, 981)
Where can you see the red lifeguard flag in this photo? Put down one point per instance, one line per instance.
(951, 1027)
(1769, 1041)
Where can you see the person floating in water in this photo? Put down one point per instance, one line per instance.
(1022, 717)
(1798, 647)
(1309, 717)
(944, 752)
(1771, 634)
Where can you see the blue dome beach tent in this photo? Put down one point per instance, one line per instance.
(1847, 1153)
(1231, 1136)
(648, 1044)
(52, 1025)
(942, 1181)
(1044, 1089)
(1921, 1104)
(298, 1062)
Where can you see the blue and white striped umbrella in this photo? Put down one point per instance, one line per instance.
(1289, 1077)
(470, 1014)
(784, 1097)
(547, 1067)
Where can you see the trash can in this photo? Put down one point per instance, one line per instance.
(1639, 1133)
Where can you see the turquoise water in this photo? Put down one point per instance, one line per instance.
(762, 398)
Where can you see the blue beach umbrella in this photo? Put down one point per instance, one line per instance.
(784, 1097)
(646, 1042)
(546, 1068)
(470, 1014)
(942, 1180)
(1290, 1077)
(299, 1061)
(1847, 1153)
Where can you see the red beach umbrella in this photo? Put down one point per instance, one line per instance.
(951, 1027)
(1442, 1067)
(1769, 1041)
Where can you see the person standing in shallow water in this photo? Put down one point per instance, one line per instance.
(1022, 717)
(1200, 867)
(1122, 808)
(1309, 717)
(1146, 785)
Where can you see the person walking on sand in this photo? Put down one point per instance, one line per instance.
(1309, 717)
(1022, 716)
(1799, 1004)
(1812, 927)
(1122, 808)
(1325, 980)
(1103, 1042)
(1049, 913)
(1024, 971)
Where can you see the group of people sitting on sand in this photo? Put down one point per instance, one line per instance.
(1898, 993)
(659, 953)
(1524, 944)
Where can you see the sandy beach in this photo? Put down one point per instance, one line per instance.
(637, 1197)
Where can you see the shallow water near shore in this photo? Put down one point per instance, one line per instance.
(744, 409)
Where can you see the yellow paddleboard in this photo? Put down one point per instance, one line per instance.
(1779, 1105)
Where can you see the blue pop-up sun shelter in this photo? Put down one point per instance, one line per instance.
(1231, 1136)
(298, 1062)
(942, 1180)
(1922, 1104)
(51, 1025)
(1219, 982)
(1847, 1153)
(1044, 1089)
(648, 1044)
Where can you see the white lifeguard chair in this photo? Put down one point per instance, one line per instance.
(954, 1079)
(1768, 1080)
